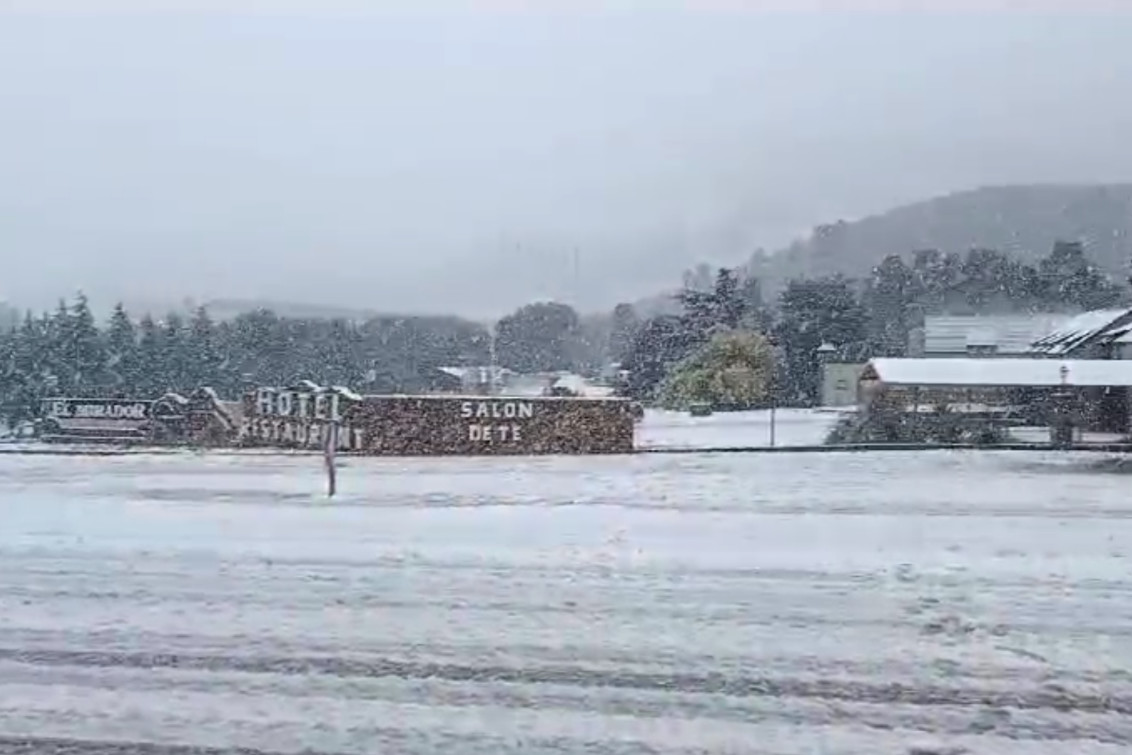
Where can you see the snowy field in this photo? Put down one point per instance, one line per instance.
(792, 427)
(859, 603)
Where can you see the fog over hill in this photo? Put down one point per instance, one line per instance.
(1023, 221)
(425, 157)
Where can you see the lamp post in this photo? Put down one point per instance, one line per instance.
(1061, 428)
(773, 403)
(772, 387)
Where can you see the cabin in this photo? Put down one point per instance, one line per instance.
(991, 389)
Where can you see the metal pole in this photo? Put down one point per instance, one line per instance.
(773, 406)
(772, 386)
(331, 451)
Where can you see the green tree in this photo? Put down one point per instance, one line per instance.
(65, 352)
(203, 348)
(340, 354)
(177, 354)
(812, 313)
(122, 351)
(539, 337)
(262, 353)
(659, 344)
(733, 370)
(1067, 276)
(152, 376)
(889, 293)
(623, 329)
(79, 355)
(993, 281)
(29, 372)
(936, 276)
(729, 303)
(10, 378)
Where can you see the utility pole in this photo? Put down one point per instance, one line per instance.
(493, 367)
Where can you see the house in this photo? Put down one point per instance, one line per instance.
(500, 380)
(999, 387)
(964, 374)
(571, 384)
(1098, 334)
(1003, 336)
(472, 380)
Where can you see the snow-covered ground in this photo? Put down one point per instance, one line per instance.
(792, 427)
(766, 603)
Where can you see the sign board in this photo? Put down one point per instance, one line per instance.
(96, 408)
(496, 420)
(304, 417)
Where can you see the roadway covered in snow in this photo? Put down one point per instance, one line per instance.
(786, 604)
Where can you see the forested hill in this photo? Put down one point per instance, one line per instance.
(1023, 221)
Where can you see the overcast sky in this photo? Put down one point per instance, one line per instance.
(453, 159)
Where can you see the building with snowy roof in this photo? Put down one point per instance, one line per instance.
(957, 336)
(1098, 334)
(1000, 387)
(998, 373)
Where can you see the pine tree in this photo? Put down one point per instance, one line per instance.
(175, 354)
(9, 378)
(203, 349)
(83, 350)
(122, 352)
(29, 349)
(56, 368)
(28, 382)
(151, 376)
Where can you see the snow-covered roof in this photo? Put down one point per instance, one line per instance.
(346, 393)
(1009, 334)
(1119, 332)
(481, 373)
(999, 372)
(1080, 329)
(570, 382)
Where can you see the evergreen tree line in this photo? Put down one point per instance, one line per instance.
(853, 320)
(67, 353)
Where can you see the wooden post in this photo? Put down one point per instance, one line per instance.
(329, 454)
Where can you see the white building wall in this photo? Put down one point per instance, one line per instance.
(839, 383)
